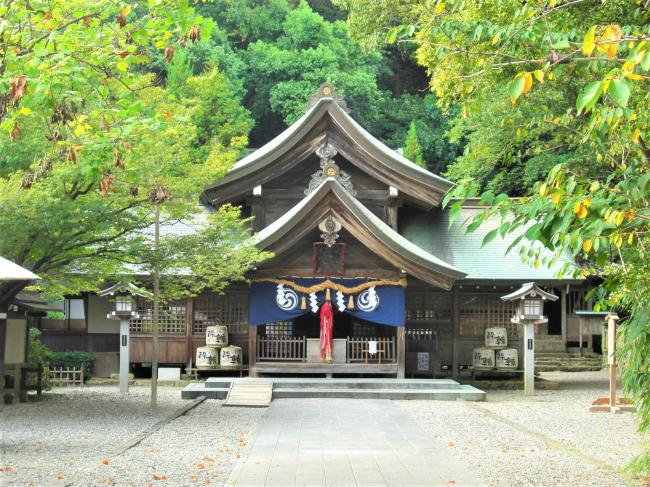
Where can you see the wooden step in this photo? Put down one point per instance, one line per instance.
(247, 393)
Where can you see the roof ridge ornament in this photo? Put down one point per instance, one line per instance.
(329, 169)
(330, 227)
(327, 90)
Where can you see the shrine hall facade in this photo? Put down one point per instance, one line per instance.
(355, 224)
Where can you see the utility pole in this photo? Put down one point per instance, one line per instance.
(156, 310)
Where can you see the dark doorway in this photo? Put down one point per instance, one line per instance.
(553, 310)
(345, 325)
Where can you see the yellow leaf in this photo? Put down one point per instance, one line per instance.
(539, 75)
(555, 198)
(550, 75)
(496, 39)
(537, 263)
(586, 245)
(612, 33)
(635, 136)
(125, 10)
(634, 76)
(528, 82)
(628, 66)
(630, 239)
(542, 189)
(594, 186)
(465, 112)
(439, 8)
(589, 43)
(25, 111)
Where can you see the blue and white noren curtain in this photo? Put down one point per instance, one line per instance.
(282, 299)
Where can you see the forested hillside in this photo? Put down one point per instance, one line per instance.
(275, 53)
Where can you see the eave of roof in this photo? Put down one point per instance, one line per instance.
(381, 159)
(13, 272)
(423, 265)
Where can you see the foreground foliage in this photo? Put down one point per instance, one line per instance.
(541, 83)
(92, 144)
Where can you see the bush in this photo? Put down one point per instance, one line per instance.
(38, 352)
(69, 360)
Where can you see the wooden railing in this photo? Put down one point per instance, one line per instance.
(281, 348)
(357, 345)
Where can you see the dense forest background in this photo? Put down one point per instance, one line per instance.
(275, 53)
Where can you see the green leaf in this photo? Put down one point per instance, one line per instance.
(516, 87)
(645, 62)
(489, 237)
(563, 44)
(391, 35)
(589, 96)
(619, 90)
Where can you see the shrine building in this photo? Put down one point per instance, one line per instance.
(352, 223)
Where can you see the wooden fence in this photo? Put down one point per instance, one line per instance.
(61, 376)
(357, 345)
(281, 348)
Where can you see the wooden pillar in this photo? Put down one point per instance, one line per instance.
(252, 350)
(189, 332)
(611, 357)
(401, 352)
(3, 332)
(455, 333)
(563, 297)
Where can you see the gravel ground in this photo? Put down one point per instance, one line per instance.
(60, 438)
(554, 440)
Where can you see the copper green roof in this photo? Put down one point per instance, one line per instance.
(431, 231)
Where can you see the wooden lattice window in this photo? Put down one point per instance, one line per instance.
(428, 307)
(281, 328)
(230, 310)
(480, 311)
(171, 319)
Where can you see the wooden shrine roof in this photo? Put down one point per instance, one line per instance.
(331, 198)
(327, 120)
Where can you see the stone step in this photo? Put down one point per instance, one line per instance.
(249, 393)
(198, 389)
(433, 389)
(566, 354)
(467, 393)
(567, 368)
(292, 382)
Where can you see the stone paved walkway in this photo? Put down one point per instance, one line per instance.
(345, 442)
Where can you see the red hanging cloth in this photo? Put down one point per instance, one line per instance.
(326, 326)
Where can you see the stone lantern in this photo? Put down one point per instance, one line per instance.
(124, 310)
(530, 312)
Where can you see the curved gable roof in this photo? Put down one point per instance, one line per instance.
(350, 139)
(371, 231)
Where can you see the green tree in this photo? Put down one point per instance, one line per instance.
(574, 76)
(412, 148)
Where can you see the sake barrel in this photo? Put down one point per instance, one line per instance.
(231, 357)
(483, 358)
(507, 359)
(216, 336)
(207, 357)
(496, 338)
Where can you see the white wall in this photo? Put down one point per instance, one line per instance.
(15, 341)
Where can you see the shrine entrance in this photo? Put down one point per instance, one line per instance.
(294, 345)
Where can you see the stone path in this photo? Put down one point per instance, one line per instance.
(345, 442)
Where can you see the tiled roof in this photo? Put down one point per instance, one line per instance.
(431, 231)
